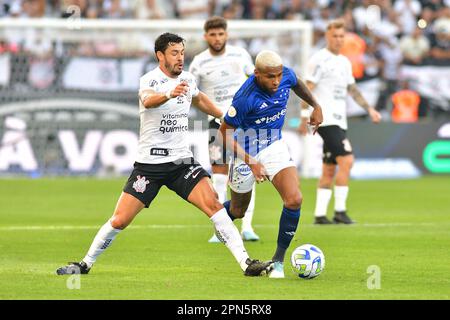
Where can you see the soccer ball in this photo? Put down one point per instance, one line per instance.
(307, 261)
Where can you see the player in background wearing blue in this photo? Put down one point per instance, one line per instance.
(252, 129)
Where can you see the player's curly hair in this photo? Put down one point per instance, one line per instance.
(165, 40)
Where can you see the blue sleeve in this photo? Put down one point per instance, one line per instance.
(238, 110)
(292, 77)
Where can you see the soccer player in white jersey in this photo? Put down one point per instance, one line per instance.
(164, 158)
(220, 70)
(329, 77)
(252, 127)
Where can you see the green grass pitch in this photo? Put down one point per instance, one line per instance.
(403, 229)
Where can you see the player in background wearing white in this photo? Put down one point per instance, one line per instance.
(329, 77)
(164, 158)
(220, 70)
(252, 127)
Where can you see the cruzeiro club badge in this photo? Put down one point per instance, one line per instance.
(140, 184)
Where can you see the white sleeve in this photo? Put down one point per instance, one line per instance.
(350, 79)
(249, 67)
(194, 88)
(148, 83)
(195, 70)
(314, 71)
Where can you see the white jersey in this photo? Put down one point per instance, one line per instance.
(219, 77)
(163, 132)
(331, 75)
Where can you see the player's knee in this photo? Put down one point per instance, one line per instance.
(213, 204)
(326, 181)
(118, 222)
(293, 201)
(351, 161)
(238, 211)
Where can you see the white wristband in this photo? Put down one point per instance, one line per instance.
(304, 113)
(169, 94)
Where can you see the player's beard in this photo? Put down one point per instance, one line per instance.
(172, 69)
(217, 50)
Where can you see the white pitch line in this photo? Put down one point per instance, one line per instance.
(189, 226)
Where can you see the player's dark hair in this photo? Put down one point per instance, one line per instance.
(215, 22)
(165, 40)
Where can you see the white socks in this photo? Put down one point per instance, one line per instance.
(324, 196)
(102, 240)
(340, 198)
(227, 232)
(322, 199)
(220, 182)
(247, 219)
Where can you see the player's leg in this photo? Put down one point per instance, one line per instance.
(241, 182)
(237, 207)
(126, 209)
(248, 234)
(323, 194)
(332, 146)
(341, 189)
(344, 160)
(138, 193)
(193, 184)
(219, 181)
(219, 166)
(218, 160)
(286, 183)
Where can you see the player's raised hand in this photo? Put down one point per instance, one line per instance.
(181, 89)
(374, 115)
(259, 172)
(316, 118)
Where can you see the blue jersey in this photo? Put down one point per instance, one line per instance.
(259, 115)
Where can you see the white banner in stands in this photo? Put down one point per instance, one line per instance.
(104, 74)
(429, 81)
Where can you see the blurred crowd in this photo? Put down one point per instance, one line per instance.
(383, 34)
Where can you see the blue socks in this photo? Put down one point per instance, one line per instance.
(227, 205)
(288, 225)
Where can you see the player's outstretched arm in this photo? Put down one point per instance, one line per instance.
(227, 136)
(203, 103)
(152, 99)
(358, 97)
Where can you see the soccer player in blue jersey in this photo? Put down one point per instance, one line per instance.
(252, 130)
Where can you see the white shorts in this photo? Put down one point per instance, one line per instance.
(275, 158)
